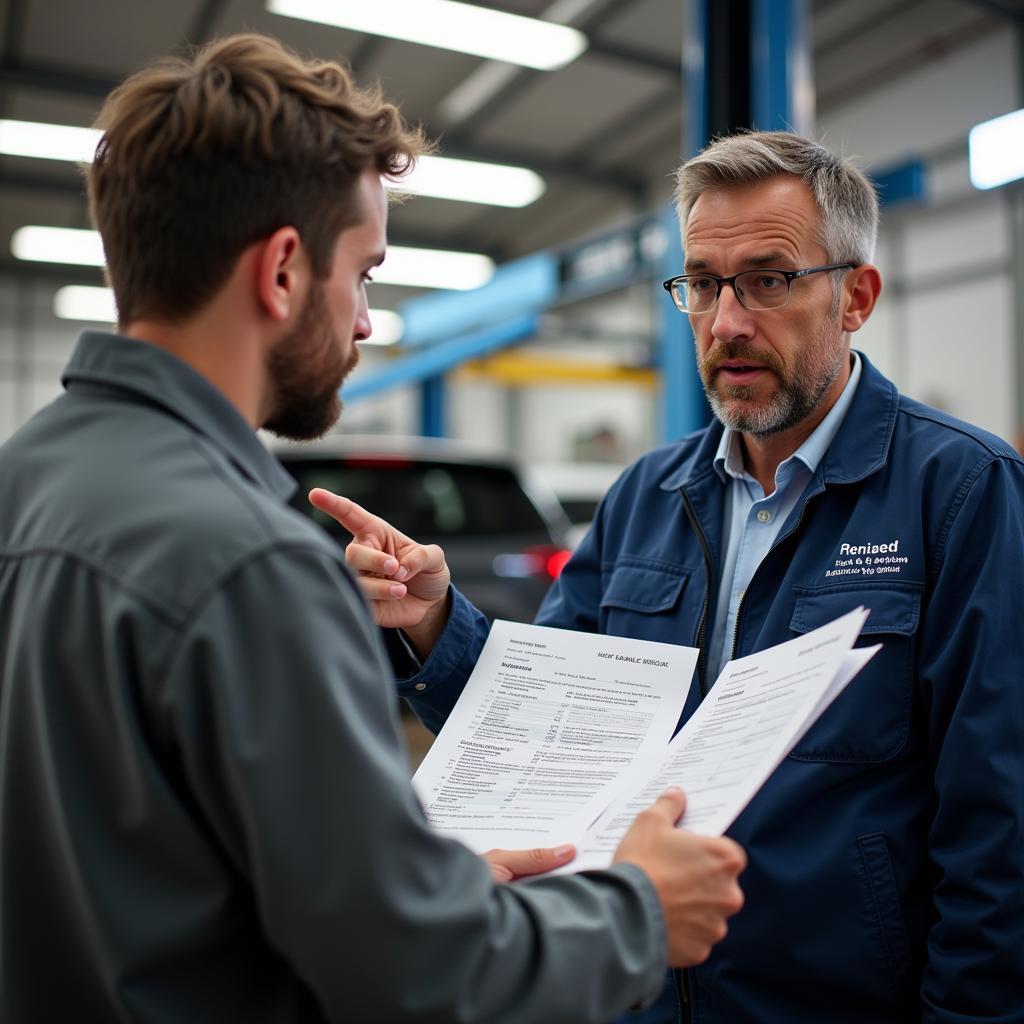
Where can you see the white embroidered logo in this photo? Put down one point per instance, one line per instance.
(868, 559)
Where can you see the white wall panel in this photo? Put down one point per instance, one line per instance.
(929, 108)
(961, 352)
(939, 244)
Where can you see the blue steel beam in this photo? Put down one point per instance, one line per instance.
(683, 406)
(905, 183)
(529, 284)
(781, 88)
(432, 407)
(437, 360)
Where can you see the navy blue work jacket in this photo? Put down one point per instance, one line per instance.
(886, 877)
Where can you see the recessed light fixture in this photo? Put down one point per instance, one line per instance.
(996, 150)
(96, 305)
(48, 141)
(417, 268)
(466, 28)
(434, 268)
(387, 327)
(472, 182)
(58, 245)
(84, 302)
(469, 181)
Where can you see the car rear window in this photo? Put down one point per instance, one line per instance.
(422, 498)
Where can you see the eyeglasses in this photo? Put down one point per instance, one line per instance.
(756, 289)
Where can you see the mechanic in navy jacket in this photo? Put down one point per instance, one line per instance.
(886, 877)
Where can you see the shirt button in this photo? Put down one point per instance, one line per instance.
(420, 686)
(764, 516)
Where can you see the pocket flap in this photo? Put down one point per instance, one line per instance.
(644, 586)
(895, 608)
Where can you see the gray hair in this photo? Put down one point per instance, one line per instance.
(846, 198)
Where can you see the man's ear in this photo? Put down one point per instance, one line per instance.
(863, 285)
(281, 268)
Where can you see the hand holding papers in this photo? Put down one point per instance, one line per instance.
(756, 712)
(546, 727)
(555, 726)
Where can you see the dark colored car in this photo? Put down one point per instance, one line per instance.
(504, 536)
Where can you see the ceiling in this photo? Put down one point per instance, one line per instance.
(605, 131)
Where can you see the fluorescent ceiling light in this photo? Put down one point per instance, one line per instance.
(443, 177)
(997, 150)
(418, 268)
(452, 26)
(484, 81)
(58, 245)
(81, 302)
(387, 327)
(433, 268)
(48, 141)
(96, 305)
(472, 182)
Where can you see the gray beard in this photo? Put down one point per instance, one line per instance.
(793, 402)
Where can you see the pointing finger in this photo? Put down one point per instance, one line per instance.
(345, 511)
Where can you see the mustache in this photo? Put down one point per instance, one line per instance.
(732, 350)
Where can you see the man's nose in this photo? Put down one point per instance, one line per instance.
(362, 328)
(732, 318)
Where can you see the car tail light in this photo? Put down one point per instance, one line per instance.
(545, 560)
(555, 562)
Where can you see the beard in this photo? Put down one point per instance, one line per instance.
(800, 387)
(306, 368)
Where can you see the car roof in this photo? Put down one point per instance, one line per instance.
(439, 449)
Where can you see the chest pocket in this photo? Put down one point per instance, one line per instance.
(640, 598)
(870, 720)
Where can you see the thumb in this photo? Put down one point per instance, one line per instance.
(670, 805)
(506, 865)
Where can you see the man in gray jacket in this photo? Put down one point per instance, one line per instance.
(203, 796)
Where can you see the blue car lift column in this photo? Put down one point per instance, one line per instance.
(746, 64)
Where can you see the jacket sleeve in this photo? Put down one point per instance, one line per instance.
(280, 703)
(971, 662)
(434, 688)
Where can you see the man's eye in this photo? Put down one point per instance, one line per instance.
(700, 284)
(766, 282)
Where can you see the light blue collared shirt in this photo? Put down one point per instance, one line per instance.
(751, 521)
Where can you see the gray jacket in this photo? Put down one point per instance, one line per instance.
(204, 804)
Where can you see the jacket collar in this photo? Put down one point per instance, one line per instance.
(859, 448)
(143, 370)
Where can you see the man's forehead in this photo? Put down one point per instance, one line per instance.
(777, 217)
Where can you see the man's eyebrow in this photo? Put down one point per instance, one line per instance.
(767, 259)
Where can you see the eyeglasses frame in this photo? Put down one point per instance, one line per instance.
(789, 275)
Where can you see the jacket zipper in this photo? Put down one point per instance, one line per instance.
(683, 991)
(682, 976)
(702, 659)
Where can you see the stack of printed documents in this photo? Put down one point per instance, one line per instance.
(562, 736)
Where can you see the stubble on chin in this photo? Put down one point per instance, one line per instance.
(306, 371)
(796, 393)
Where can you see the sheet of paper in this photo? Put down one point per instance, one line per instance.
(547, 727)
(757, 710)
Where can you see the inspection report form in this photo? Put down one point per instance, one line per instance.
(545, 730)
(561, 736)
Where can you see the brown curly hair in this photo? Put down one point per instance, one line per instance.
(203, 155)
